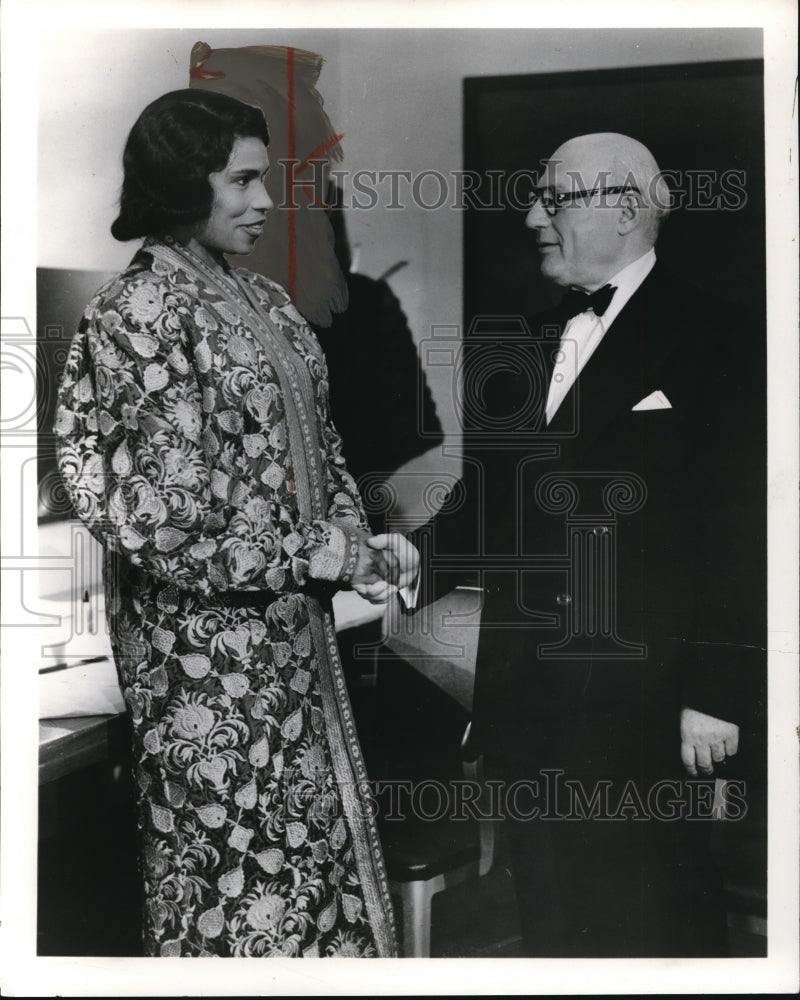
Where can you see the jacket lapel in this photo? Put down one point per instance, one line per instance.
(621, 372)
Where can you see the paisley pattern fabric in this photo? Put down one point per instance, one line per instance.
(195, 442)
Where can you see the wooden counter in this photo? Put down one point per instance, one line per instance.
(68, 745)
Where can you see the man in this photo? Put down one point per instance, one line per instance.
(659, 390)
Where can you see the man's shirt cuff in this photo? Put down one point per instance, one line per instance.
(410, 595)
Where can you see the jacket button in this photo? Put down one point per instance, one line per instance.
(563, 599)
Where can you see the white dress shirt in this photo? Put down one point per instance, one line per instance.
(583, 332)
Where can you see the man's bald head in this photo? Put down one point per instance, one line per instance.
(608, 200)
(610, 159)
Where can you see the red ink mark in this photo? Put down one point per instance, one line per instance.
(319, 151)
(307, 189)
(291, 484)
(292, 242)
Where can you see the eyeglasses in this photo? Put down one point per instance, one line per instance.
(552, 200)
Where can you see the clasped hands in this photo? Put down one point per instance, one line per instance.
(386, 564)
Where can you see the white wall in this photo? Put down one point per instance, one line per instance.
(92, 87)
(396, 94)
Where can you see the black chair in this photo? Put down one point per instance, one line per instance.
(432, 811)
(424, 856)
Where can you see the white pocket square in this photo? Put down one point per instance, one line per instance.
(655, 401)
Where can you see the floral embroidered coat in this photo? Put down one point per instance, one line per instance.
(195, 442)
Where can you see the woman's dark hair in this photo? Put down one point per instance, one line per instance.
(177, 141)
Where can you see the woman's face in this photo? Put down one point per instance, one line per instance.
(240, 203)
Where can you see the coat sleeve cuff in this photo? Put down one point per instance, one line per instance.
(336, 559)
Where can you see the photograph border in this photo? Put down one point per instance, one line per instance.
(23, 973)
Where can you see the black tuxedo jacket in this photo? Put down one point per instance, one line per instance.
(684, 514)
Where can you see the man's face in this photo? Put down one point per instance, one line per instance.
(240, 202)
(579, 246)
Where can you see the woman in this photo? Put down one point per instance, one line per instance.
(195, 442)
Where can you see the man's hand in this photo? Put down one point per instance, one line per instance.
(374, 567)
(402, 553)
(402, 560)
(706, 741)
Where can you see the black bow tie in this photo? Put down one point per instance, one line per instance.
(577, 302)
